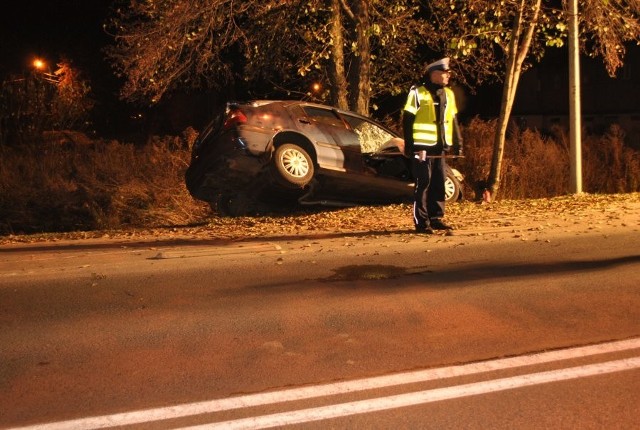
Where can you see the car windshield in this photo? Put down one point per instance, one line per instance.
(372, 137)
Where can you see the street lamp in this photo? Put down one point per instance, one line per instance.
(43, 68)
(39, 64)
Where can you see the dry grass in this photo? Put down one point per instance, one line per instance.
(609, 165)
(80, 185)
(537, 165)
(102, 185)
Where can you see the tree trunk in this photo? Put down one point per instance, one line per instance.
(517, 52)
(361, 80)
(337, 74)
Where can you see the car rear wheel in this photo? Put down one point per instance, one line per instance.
(451, 187)
(293, 165)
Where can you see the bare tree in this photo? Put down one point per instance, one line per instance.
(360, 49)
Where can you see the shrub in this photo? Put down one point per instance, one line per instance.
(38, 101)
(98, 186)
(538, 165)
(69, 182)
(608, 165)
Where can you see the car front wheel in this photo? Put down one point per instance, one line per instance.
(451, 187)
(293, 165)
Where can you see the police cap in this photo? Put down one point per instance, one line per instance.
(442, 64)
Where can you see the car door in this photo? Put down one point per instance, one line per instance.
(386, 173)
(337, 145)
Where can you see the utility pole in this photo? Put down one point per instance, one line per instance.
(575, 127)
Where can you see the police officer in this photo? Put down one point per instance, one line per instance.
(431, 131)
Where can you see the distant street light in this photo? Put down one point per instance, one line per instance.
(42, 67)
(39, 64)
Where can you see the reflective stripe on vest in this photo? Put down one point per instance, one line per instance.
(425, 133)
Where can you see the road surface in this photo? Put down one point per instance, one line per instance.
(488, 328)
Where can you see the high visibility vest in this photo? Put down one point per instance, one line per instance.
(425, 128)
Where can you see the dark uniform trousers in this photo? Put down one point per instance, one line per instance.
(428, 192)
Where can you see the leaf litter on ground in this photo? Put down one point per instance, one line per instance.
(530, 214)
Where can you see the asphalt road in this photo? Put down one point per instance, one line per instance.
(482, 329)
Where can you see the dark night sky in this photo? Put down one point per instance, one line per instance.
(72, 29)
(52, 30)
(57, 29)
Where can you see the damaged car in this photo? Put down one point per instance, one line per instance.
(263, 153)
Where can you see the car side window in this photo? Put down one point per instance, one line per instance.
(324, 116)
(370, 136)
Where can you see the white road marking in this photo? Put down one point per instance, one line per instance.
(293, 394)
(420, 397)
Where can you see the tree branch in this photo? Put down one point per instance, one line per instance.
(347, 10)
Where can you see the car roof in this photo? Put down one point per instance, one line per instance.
(286, 103)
